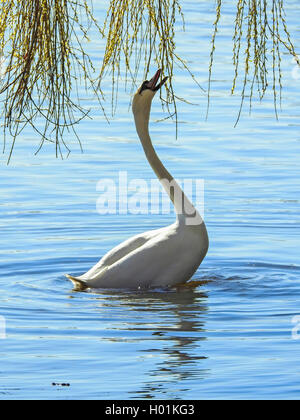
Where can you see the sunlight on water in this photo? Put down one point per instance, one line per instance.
(230, 337)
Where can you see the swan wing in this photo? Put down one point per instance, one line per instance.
(119, 252)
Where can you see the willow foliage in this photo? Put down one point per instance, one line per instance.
(260, 36)
(42, 42)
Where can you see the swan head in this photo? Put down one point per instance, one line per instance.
(143, 98)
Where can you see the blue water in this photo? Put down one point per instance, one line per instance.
(230, 337)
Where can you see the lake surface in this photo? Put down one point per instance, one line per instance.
(230, 337)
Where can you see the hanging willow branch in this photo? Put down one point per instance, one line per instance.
(42, 42)
(140, 34)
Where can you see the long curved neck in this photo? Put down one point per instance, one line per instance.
(184, 208)
(142, 128)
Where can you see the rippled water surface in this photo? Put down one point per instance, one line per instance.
(230, 337)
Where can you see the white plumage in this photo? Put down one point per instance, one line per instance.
(159, 258)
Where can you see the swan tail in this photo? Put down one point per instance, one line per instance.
(80, 285)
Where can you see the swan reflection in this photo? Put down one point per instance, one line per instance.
(168, 328)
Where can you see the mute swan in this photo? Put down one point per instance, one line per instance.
(158, 258)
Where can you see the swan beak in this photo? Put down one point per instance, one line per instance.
(154, 85)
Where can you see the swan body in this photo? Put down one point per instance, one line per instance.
(158, 258)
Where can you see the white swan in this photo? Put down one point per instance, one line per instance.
(159, 258)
